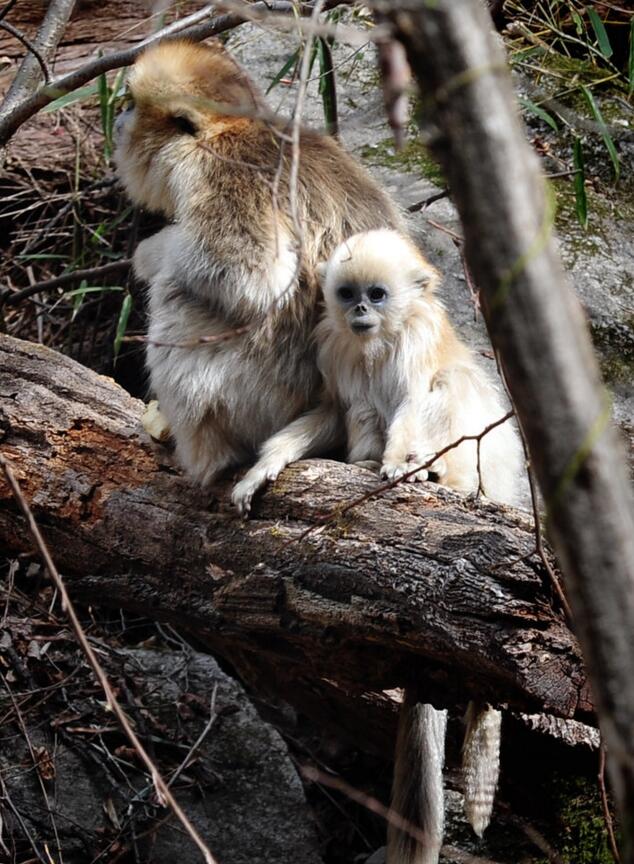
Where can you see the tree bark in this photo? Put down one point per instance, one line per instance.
(418, 587)
(537, 327)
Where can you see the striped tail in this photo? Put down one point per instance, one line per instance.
(481, 763)
(417, 791)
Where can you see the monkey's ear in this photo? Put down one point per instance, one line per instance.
(424, 277)
(320, 270)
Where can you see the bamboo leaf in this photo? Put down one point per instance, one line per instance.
(122, 323)
(327, 86)
(539, 112)
(581, 199)
(70, 98)
(600, 32)
(605, 132)
(630, 65)
(286, 68)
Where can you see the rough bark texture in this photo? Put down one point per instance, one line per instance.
(420, 587)
(537, 326)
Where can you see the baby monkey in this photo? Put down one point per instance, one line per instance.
(398, 376)
(401, 384)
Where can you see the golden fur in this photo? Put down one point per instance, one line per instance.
(406, 387)
(230, 257)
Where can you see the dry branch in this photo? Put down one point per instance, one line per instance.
(418, 587)
(537, 327)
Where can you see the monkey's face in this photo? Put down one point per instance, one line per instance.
(182, 96)
(363, 307)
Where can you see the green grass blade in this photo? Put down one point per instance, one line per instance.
(576, 17)
(327, 86)
(539, 112)
(581, 199)
(104, 107)
(67, 99)
(122, 323)
(605, 132)
(286, 68)
(599, 31)
(630, 65)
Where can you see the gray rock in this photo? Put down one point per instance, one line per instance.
(241, 790)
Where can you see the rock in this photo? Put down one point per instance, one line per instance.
(241, 790)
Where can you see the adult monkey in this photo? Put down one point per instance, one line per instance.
(194, 147)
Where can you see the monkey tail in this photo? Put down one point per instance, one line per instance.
(417, 791)
(481, 763)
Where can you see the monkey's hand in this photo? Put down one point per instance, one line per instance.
(149, 255)
(396, 470)
(257, 477)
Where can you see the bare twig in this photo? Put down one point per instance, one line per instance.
(7, 8)
(19, 35)
(8, 299)
(280, 13)
(609, 824)
(164, 795)
(427, 202)
(34, 760)
(338, 512)
(26, 83)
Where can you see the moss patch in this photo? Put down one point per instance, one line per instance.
(413, 158)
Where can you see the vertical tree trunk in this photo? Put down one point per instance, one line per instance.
(537, 327)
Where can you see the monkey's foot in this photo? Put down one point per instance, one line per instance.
(252, 482)
(394, 471)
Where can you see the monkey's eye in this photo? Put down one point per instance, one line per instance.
(377, 294)
(183, 124)
(345, 293)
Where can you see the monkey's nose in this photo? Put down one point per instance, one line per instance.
(361, 309)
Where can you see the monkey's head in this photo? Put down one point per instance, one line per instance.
(371, 282)
(182, 95)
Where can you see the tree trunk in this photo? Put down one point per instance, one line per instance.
(537, 327)
(418, 587)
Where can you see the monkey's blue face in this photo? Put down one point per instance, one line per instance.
(363, 306)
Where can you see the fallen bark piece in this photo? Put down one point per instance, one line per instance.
(417, 587)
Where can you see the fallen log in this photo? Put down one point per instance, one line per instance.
(418, 587)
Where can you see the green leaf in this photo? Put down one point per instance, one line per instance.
(104, 106)
(605, 132)
(576, 17)
(599, 31)
(286, 68)
(630, 65)
(122, 323)
(581, 199)
(67, 99)
(91, 289)
(327, 87)
(539, 112)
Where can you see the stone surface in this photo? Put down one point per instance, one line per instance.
(241, 791)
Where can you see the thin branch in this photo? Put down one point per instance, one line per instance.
(26, 83)
(427, 202)
(164, 795)
(606, 807)
(338, 512)
(8, 299)
(36, 762)
(7, 8)
(279, 13)
(4, 25)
